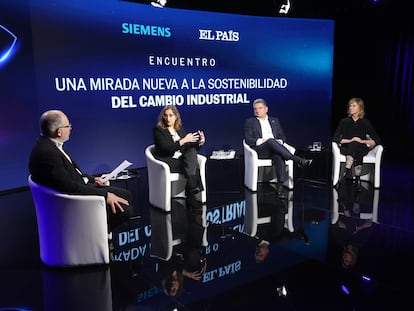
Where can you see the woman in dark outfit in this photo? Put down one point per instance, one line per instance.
(179, 150)
(355, 136)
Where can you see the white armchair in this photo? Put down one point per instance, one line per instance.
(252, 219)
(164, 185)
(371, 167)
(262, 170)
(73, 229)
(163, 236)
(373, 215)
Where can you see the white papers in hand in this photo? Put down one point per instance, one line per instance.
(116, 171)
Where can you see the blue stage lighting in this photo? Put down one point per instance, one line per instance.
(7, 43)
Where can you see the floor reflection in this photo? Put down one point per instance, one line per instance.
(177, 242)
(77, 289)
(269, 219)
(320, 248)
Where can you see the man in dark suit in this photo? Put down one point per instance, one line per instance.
(50, 165)
(265, 134)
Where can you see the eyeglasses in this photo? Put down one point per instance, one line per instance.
(66, 126)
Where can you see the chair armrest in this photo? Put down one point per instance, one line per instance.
(378, 149)
(336, 162)
(159, 176)
(335, 149)
(202, 160)
(290, 148)
(249, 153)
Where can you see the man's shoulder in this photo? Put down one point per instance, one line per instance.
(251, 119)
(42, 143)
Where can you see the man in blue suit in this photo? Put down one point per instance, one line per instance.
(265, 134)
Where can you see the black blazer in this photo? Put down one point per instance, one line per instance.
(362, 128)
(49, 167)
(165, 146)
(253, 130)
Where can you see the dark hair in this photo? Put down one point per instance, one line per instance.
(167, 283)
(259, 100)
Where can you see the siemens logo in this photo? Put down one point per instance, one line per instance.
(146, 30)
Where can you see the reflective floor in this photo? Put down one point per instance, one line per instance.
(321, 248)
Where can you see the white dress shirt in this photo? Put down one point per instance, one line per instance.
(59, 145)
(266, 130)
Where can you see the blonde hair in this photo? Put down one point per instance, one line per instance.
(161, 121)
(360, 104)
(352, 252)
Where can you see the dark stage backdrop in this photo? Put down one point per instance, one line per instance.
(112, 65)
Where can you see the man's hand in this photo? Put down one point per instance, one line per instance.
(115, 202)
(260, 141)
(99, 181)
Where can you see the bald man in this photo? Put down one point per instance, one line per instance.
(52, 166)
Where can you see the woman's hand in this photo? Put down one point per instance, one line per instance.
(196, 275)
(192, 275)
(202, 139)
(357, 139)
(190, 138)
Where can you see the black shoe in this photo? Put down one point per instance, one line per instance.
(305, 162)
(195, 190)
(280, 192)
(282, 195)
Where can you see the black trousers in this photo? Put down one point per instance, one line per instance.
(271, 148)
(355, 150)
(187, 164)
